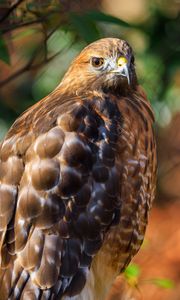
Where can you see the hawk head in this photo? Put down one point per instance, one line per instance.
(107, 64)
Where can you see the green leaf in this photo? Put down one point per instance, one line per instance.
(102, 17)
(163, 283)
(132, 271)
(85, 27)
(24, 33)
(4, 54)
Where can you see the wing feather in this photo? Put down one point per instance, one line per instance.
(58, 193)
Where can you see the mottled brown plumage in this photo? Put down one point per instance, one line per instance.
(77, 179)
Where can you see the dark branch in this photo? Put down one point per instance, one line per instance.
(28, 23)
(30, 66)
(20, 25)
(10, 10)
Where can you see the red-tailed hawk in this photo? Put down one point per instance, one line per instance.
(77, 179)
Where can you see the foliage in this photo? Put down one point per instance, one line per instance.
(163, 283)
(40, 38)
(132, 275)
(4, 54)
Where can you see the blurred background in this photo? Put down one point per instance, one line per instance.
(39, 38)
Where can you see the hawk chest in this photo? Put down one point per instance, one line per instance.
(135, 163)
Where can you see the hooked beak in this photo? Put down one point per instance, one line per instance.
(123, 71)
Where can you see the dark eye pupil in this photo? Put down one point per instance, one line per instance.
(97, 61)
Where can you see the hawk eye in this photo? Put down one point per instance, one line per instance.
(97, 62)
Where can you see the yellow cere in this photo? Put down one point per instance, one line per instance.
(122, 61)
